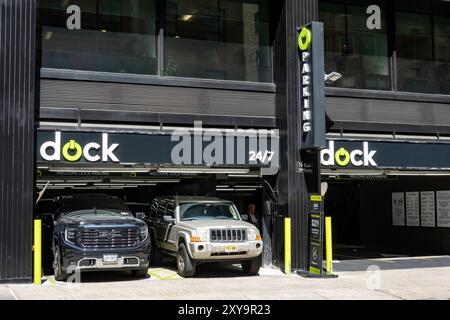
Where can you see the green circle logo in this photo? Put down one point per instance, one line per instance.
(72, 151)
(304, 39)
(342, 157)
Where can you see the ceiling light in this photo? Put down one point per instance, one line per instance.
(97, 170)
(244, 175)
(203, 170)
(248, 187)
(67, 184)
(153, 181)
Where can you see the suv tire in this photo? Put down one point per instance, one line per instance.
(156, 255)
(139, 272)
(185, 265)
(252, 267)
(59, 273)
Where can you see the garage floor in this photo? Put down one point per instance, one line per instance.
(386, 278)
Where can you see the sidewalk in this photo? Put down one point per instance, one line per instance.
(401, 278)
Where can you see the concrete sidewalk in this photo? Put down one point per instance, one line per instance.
(405, 278)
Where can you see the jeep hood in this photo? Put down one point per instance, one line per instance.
(216, 223)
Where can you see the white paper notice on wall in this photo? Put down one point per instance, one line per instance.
(427, 209)
(412, 204)
(398, 209)
(443, 208)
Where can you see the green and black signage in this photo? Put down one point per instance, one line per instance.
(212, 148)
(312, 93)
(315, 234)
(357, 154)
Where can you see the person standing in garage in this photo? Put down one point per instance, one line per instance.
(252, 217)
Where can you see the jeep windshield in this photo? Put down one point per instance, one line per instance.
(208, 211)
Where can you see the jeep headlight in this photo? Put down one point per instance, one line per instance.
(201, 235)
(253, 234)
(143, 232)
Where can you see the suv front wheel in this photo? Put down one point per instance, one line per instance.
(59, 273)
(252, 267)
(185, 265)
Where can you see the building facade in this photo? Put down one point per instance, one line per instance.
(129, 81)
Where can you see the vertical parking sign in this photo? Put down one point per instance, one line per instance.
(311, 119)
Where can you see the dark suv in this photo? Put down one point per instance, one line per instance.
(97, 232)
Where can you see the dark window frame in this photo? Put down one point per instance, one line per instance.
(159, 78)
(390, 10)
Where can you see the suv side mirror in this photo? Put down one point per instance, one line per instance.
(140, 215)
(169, 219)
(245, 217)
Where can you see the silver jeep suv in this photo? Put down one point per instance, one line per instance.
(202, 229)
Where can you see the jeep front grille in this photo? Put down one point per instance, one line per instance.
(228, 235)
(102, 238)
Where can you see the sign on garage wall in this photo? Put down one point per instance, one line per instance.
(421, 209)
(443, 208)
(179, 147)
(398, 209)
(357, 154)
(427, 209)
(412, 209)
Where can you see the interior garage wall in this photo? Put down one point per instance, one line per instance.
(365, 215)
(17, 50)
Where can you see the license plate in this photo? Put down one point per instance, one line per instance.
(110, 258)
(231, 248)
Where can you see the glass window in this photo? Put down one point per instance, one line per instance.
(414, 45)
(218, 39)
(360, 54)
(108, 35)
(442, 54)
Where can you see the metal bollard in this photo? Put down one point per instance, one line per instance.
(328, 245)
(287, 246)
(37, 248)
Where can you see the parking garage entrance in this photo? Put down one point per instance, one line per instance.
(387, 198)
(139, 166)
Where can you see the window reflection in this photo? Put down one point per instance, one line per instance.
(217, 39)
(115, 36)
(423, 53)
(414, 52)
(359, 54)
(442, 54)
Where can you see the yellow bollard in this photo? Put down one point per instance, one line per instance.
(37, 252)
(328, 245)
(287, 246)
